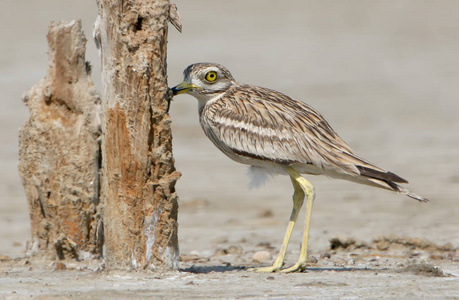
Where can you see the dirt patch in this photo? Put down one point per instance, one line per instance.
(397, 247)
(351, 268)
(425, 269)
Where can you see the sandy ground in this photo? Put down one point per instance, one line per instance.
(385, 75)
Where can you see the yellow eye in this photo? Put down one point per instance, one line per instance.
(211, 76)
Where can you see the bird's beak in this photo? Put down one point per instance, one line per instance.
(182, 88)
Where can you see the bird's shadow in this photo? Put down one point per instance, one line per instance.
(209, 269)
(224, 268)
(344, 269)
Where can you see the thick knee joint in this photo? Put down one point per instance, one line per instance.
(302, 184)
(310, 191)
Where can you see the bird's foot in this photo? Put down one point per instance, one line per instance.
(298, 267)
(270, 269)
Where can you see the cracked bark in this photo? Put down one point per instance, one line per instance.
(138, 182)
(59, 152)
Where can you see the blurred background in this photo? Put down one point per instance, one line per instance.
(383, 73)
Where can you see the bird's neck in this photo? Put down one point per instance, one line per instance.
(207, 101)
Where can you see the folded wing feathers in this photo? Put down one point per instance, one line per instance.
(280, 128)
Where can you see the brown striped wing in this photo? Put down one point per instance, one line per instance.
(267, 125)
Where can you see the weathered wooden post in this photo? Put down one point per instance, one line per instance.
(138, 174)
(59, 151)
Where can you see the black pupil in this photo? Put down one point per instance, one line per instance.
(211, 75)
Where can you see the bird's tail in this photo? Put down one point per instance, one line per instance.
(388, 180)
(410, 194)
(390, 185)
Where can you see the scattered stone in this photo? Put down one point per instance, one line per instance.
(325, 255)
(265, 244)
(383, 245)
(234, 250)
(231, 250)
(312, 260)
(220, 252)
(266, 213)
(270, 278)
(59, 266)
(262, 256)
(374, 259)
(350, 262)
(4, 258)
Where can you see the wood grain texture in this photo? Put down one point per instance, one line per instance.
(59, 151)
(138, 187)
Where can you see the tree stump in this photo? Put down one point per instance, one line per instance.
(59, 151)
(138, 182)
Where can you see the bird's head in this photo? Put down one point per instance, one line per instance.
(204, 81)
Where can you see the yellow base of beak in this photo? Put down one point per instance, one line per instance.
(182, 88)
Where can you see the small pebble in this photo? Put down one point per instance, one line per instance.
(262, 256)
(383, 245)
(266, 213)
(312, 260)
(4, 258)
(60, 266)
(374, 259)
(264, 244)
(235, 250)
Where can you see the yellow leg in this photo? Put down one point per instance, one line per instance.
(301, 186)
(310, 194)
